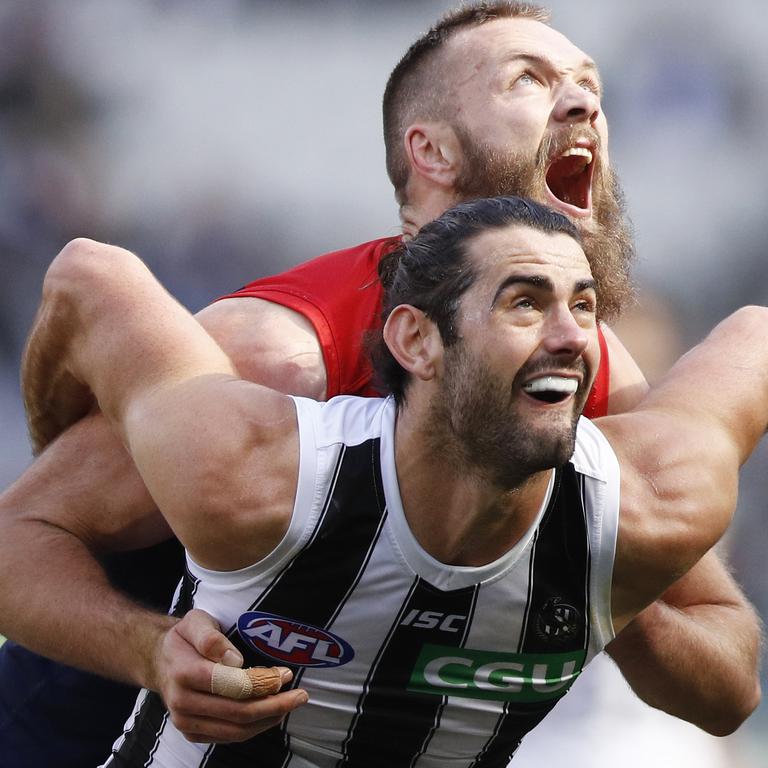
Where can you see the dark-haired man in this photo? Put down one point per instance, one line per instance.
(516, 109)
(493, 540)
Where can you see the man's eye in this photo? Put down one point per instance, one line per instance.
(588, 84)
(584, 306)
(527, 79)
(523, 304)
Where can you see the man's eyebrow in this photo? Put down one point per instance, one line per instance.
(537, 281)
(542, 283)
(585, 285)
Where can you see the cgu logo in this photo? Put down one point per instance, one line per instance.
(291, 642)
(519, 677)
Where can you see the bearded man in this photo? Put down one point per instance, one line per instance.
(492, 100)
(493, 540)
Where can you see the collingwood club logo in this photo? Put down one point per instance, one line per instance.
(557, 622)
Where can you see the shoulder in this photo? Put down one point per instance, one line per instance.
(269, 344)
(234, 500)
(294, 331)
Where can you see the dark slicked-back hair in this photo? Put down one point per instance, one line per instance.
(433, 270)
(416, 88)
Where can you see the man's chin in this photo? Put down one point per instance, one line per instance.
(553, 439)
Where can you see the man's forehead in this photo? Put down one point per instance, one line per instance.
(501, 39)
(519, 247)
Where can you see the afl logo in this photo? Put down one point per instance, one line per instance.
(293, 643)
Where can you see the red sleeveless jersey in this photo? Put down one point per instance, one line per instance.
(340, 294)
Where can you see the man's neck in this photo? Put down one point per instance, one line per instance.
(453, 509)
(423, 208)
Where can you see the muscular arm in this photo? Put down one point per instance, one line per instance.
(53, 522)
(252, 331)
(268, 343)
(83, 495)
(218, 454)
(680, 451)
(695, 652)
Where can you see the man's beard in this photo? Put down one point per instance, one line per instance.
(607, 239)
(474, 421)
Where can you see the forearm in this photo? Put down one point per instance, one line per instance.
(68, 610)
(81, 496)
(698, 662)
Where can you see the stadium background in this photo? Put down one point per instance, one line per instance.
(226, 140)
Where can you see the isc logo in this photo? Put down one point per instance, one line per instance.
(291, 642)
(447, 622)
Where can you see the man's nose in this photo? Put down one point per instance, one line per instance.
(563, 335)
(576, 104)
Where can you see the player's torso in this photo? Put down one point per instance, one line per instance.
(406, 661)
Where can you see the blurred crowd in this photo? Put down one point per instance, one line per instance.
(227, 140)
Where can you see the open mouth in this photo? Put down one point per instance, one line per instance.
(569, 179)
(551, 389)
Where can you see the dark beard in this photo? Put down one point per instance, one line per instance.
(474, 423)
(608, 242)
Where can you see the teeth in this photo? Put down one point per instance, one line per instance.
(580, 151)
(552, 384)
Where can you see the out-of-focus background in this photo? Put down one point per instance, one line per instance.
(227, 140)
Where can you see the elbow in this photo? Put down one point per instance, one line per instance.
(84, 267)
(742, 710)
(70, 268)
(728, 719)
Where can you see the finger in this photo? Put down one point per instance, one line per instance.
(248, 718)
(193, 705)
(237, 683)
(203, 633)
(215, 732)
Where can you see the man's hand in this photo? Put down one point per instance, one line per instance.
(185, 662)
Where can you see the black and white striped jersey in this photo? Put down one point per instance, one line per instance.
(408, 662)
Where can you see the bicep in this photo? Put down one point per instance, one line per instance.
(680, 452)
(709, 582)
(269, 344)
(678, 491)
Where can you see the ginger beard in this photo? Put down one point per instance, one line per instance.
(483, 420)
(607, 238)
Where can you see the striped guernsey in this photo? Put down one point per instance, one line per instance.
(408, 662)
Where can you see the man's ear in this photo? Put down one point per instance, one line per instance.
(433, 152)
(414, 341)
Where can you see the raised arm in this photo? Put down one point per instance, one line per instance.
(695, 652)
(680, 452)
(269, 344)
(213, 450)
(84, 496)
